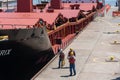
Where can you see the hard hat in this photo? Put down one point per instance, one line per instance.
(71, 53)
(60, 50)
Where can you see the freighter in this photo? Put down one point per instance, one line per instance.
(31, 36)
(24, 47)
(22, 51)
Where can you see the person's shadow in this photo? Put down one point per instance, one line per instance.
(65, 67)
(56, 68)
(61, 68)
(65, 76)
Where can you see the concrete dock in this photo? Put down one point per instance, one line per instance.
(94, 47)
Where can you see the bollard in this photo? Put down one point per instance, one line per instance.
(111, 58)
(117, 31)
(115, 42)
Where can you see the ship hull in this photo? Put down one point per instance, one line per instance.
(24, 53)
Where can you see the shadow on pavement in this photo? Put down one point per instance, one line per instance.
(66, 76)
(65, 68)
(56, 68)
(61, 68)
(118, 78)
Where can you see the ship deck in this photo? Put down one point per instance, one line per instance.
(93, 46)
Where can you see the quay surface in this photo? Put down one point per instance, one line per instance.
(93, 46)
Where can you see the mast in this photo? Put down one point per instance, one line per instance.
(38, 1)
(103, 1)
(7, 4)
(118, 5)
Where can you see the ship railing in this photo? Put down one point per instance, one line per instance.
(60, 31)
(75, 27)
(6, 6)
(115, 13)
(15, 26)
(58, 28)
(90, 15)
(82, 20)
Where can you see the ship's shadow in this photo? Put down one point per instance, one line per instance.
(118, 78)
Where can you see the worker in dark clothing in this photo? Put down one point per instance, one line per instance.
(71, 50)
(61, 59)
(71, 59)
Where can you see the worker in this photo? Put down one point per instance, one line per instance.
(61, 62)
(71, 59)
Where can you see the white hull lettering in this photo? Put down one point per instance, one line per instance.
(5, 52)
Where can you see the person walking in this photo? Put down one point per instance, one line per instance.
(61, 59)
(71, 59)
